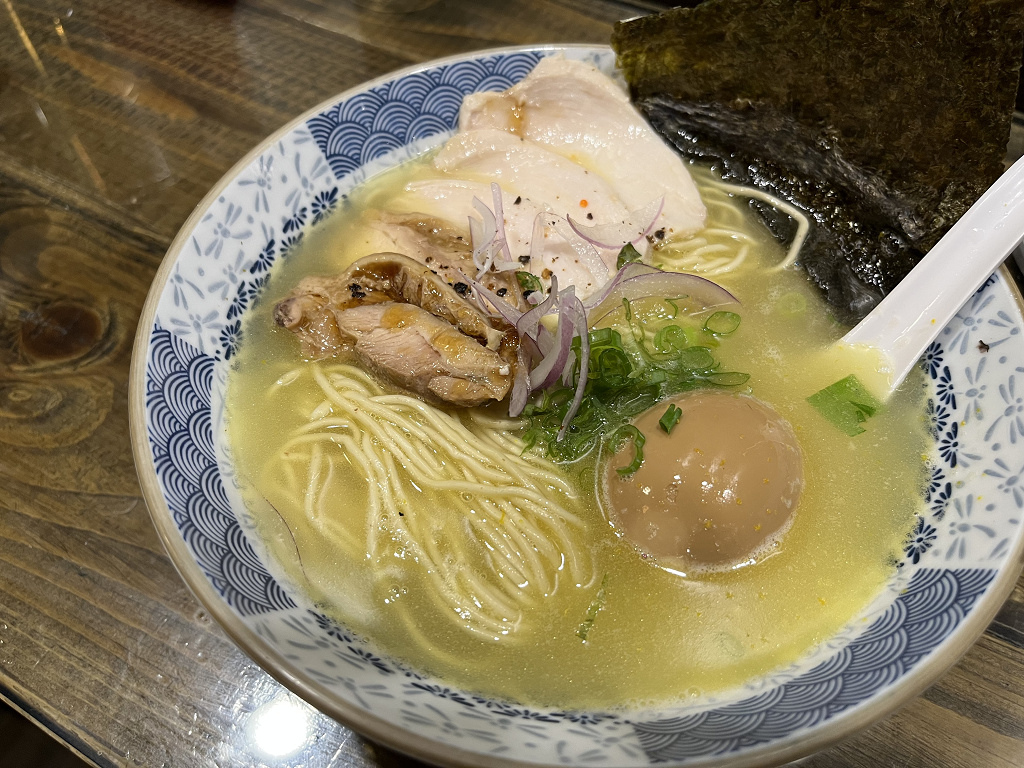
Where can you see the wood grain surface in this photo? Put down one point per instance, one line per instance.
(116, 116)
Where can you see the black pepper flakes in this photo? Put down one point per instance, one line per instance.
(982, 346)
(357, 291)
(461, 288)
(524, 259)
(590, 216)
(660, 233)
(518, 200)
(501, 291)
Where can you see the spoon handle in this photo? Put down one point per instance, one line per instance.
(907, 320)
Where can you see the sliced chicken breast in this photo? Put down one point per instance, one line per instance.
(450, 199)
(571, 108)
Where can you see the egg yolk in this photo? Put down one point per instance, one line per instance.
(714, 492)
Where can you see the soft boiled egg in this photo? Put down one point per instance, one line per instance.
(717, 491)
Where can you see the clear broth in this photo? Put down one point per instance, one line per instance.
(660, 637)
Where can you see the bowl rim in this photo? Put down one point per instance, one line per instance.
(270, 660)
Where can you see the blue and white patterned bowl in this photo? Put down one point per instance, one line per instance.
(963, 560)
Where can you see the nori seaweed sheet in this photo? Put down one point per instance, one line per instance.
(884, 119)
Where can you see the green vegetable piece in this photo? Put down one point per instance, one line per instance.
(595, 606)
(627, 255)
(672, 416)
(722, 323)
(696, 359)
(613, 368)
(633, 368)
(529, 282)
(622, 434)
(727, 378)
(602, 337)
(670, 338)
(846, 404)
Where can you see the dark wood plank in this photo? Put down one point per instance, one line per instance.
(148, 121)
(146, 104)
(99, 637)
(115, 119)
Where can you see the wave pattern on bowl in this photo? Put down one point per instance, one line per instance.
(181, 436)
(399, 112)
(934, 603)
(969, 527)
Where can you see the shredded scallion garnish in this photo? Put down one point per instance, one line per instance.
(629, 372)
(629, 432)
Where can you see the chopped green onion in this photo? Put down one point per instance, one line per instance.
(696, 359)
(529, 282)
(672, 416)
(627, 255)
(595, 606)
(722, 323)
(604, 337)
(633, 367)
(671, 338)
(613, 367)
(675, 308)
(626, 432)
(727, 378)
(846, 404)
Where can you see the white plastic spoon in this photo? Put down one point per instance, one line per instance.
(907, 320)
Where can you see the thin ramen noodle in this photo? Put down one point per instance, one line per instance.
(433, 532)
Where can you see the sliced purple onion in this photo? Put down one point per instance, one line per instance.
(501, 265)
(637, 226)
(662, 285)
(520, 384)
(537, 236)
(580, 319)
(476, 235)
(633, 269)
(536, 344)
(570, 362)
(482, 236)
(501, 244)
(506, 311)
(549, 369)
(553, 353)
(545, 341)
(488, 236)
(529, 323)
(586, 253)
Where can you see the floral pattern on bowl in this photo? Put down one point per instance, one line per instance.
(957, 567)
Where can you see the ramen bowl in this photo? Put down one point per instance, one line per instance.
(960, 562)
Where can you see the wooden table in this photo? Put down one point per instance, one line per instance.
(116, 116)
